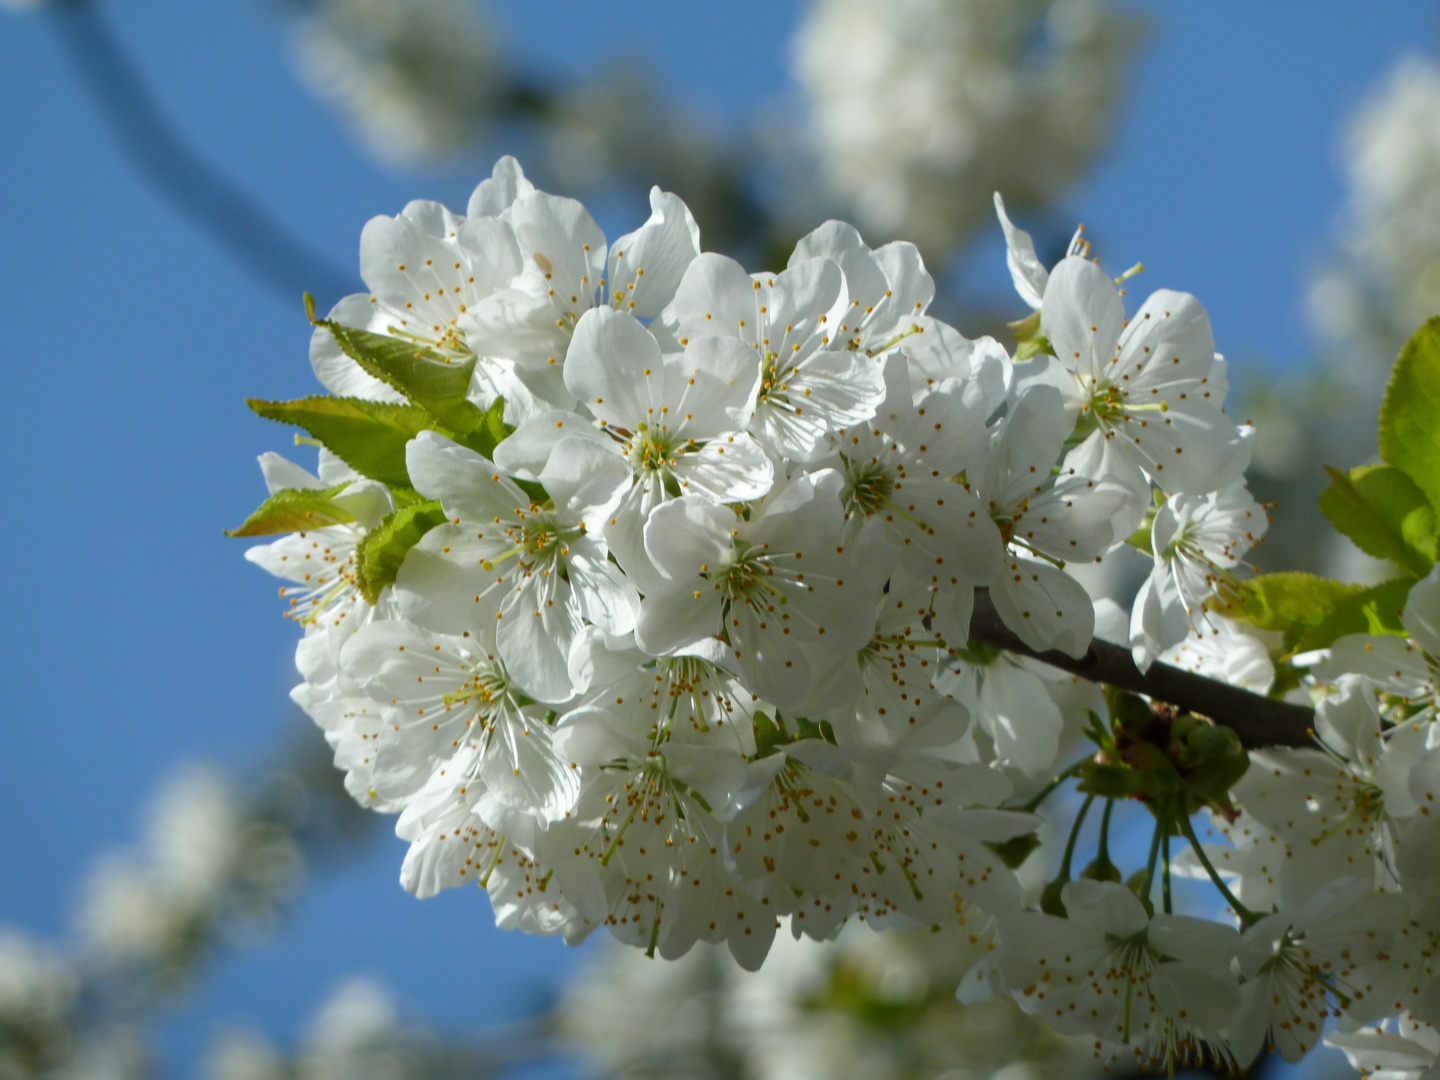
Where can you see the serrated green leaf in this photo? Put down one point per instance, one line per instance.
(384, 548)
(405, 496)
(369, 436)
(1290, 602)
(1410, 413)
(1375, 610)
(1387, 516)
(295, 510)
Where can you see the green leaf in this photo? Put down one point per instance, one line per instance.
(384, 548)
(490, 431)
(1016, 850)
(295, 510)
(1312, 612)
(1375, 610)
(427, 378)
(1387, 516)
(1291, 602)
(369, 436)
(1029, 341)
(1410, 413)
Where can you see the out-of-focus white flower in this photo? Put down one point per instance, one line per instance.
(357, 1032)
(1386, 280)
(415, 78)
(203, 855)
(1404, 1050)
(866, 1007)
(125, 913)
(920, 109)
(243, 1055)
(38, 992)
(33, 980)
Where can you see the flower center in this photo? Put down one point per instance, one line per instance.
(868, 488)
(774, 382)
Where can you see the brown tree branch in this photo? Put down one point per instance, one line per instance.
(1259, 721)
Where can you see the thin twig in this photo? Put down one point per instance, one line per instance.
(197, 189)
(1259, 721)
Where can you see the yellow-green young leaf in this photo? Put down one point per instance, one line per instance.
(1387, 516)
(295, 510)
(380, 554)
(1029, 341)
(1410, 413)
(429, 379)
(1375, 610)
(1290, 602)
(1141, 537)
(369, 436)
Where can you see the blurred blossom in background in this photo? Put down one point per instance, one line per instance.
(866, 1007)
(414, 79)
(1380, 280)
(1386, 276)
(919, 110)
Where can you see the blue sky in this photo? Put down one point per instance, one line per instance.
(139, 638)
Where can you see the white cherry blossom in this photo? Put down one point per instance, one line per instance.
(888, 287)
(887, 682)
(650, 864)
(1297, 967)
(899, 467)
(1197, 541)
(677, 420)
(428, 269)
(534, 572)
(1159, 985)
(808, 389)
(1336, 809)
(1409, 669)
(1405, 1050)
(784, 576)
(565, 271)
(1221, 650)
(1045, 521)
(1011, 704)
(1145, 389)
(449, 706)
(321, 562)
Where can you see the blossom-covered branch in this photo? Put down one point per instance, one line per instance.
(1259, 721)
(657, 595)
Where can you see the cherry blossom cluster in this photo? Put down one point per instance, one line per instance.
(683, 647)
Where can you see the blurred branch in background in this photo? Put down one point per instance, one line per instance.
(909, 119)
(200, 192)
